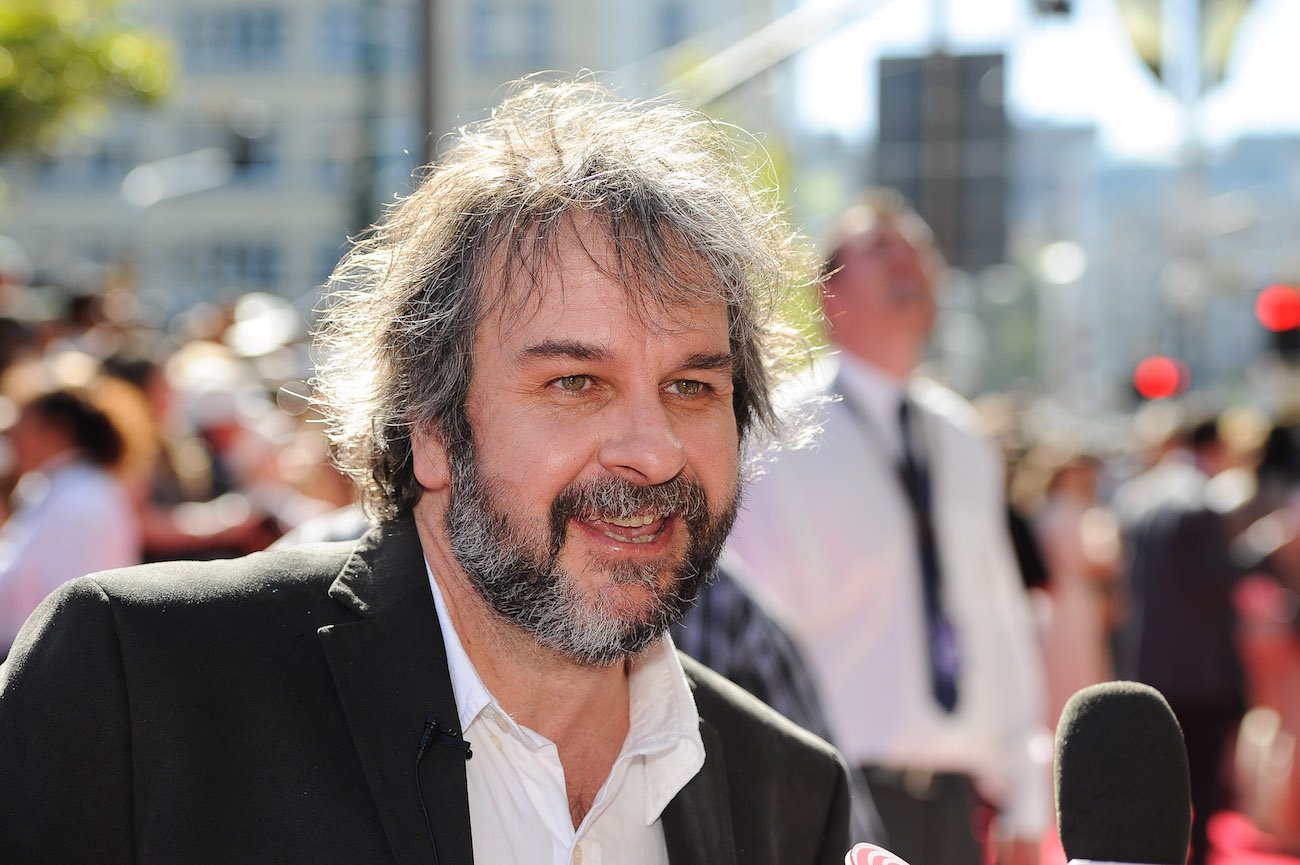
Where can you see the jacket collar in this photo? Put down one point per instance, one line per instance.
(390, 669)
(697, 822)
(386, 566)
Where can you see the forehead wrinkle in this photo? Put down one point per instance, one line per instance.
(656, 267)
(552, 256)
(515, 308)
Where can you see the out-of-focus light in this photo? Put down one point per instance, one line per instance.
(1001, 284)
(148, 184)
(1062, 262)
(1160, 377)
(263, 323)
(143, 186)
(1278, 307)
(80, 73)
(1185, 285)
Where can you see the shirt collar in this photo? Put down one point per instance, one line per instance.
(61, 461)
(472, 696)
(665, 725)
(876, 395)
(664, 722)
(868, 386)
(35, 485)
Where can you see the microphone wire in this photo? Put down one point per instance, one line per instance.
(428, 736)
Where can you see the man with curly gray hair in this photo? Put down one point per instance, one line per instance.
(541, 369)
(666, 187)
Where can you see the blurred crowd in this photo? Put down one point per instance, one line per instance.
(124, 444)
(1171, 558)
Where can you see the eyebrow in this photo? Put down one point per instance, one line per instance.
(564, 348)
(710, 361)
(575, 350)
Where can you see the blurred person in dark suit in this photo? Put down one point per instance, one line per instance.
(1180, 636)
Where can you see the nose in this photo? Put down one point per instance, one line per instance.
(639, 443)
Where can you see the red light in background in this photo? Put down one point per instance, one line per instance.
(1278, 307)
(1160, 377)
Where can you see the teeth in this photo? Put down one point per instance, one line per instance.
(632, 522)
(629, 522)
(644, 539)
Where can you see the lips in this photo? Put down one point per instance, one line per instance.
(636, 529)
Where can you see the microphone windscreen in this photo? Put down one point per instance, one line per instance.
(1122, 791)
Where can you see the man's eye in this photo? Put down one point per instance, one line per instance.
(688, 387)
(573, 383)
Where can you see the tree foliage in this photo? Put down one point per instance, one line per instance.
(62, 61)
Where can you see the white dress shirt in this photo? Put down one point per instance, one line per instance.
(519, 809)
(826, 532)
(72, 518)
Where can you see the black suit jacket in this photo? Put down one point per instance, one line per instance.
(1182, 636)
(268, 710)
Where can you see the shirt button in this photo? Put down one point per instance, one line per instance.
(577, 855)
(495, 740)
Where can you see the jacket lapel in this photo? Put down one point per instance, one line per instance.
(697, 822)
(390, 669)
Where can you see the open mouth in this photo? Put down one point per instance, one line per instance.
(635, 529)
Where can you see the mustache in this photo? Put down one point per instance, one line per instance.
(622, 499)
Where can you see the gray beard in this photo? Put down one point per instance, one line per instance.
(518, 573)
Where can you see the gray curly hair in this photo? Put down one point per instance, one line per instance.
(394, 342)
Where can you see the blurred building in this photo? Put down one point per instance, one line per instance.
(1173, 257)
(943, 143)
(292, 121)
(1051, 195)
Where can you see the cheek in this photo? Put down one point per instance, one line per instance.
(531, 459)
(714, 457)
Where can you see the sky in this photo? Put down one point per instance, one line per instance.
(1079, 69)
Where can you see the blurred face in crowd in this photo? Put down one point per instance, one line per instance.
(1077, 479)
(35, 439)
(885, 286)
(602, 476)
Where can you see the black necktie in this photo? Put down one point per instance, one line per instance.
(915, 477)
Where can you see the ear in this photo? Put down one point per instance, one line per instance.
(429, 459)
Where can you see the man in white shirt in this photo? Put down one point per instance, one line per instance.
(539, 370)
(886, 547)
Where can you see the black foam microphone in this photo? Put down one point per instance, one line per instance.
(1122, 790)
